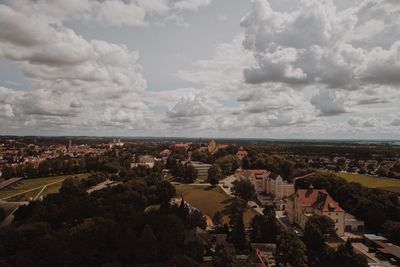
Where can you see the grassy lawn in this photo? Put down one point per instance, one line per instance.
(30, 187)
(388, 184)
(208, 199)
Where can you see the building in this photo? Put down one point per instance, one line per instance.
(266, 182)
(352, 224)
(257, 177)
(383, 248)
(165, 153)
(144, 160)
(279, 188)
(213, 146)
(305, 203)
(241, 153)
(201, 168)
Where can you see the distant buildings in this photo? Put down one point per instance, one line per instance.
(213, 147)
(241, 153)
(144, 160)
(305, 203)
(266, 182)
(165, 153)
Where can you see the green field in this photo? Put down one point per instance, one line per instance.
(29, 188)
(388, 184)
(208, 199)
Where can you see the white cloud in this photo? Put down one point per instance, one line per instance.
(318, 44)
(329, 102)
(75, 82)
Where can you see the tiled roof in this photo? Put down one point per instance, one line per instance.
(319, 199)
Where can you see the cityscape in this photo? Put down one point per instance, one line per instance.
(204, 133)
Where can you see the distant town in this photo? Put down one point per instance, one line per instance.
(199, 202)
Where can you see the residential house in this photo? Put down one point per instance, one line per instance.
(305, 203)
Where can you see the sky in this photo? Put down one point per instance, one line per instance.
(301, 69)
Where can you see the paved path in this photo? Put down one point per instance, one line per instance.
(32, 189)
(41, 191)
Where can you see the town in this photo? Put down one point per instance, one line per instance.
(214, 202)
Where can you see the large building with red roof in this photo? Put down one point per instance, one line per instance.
(305, 203)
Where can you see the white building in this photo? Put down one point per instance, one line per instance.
(266, 182)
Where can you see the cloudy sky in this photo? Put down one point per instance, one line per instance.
(201, 68)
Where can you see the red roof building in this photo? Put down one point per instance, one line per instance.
(305, 203)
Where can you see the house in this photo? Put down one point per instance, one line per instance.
(241, 153)
(305, 203)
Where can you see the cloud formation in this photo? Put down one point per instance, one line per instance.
(314, 68)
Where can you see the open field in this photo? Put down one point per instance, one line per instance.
(208, 199)
(30, 188)
(384, 183)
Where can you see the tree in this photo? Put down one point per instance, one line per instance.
(8, 172)
(2, 215)
(391, 230)
(244, 189)
(264, 227)
(165, 191)
(223, 258)
(214, 174)
(228, 164)
(72, 187)
(190, 174)
(345, 256)
(316, 232)
(290, 251)
(245, 163)
(217, 218)
(238, 235)
(147, 250)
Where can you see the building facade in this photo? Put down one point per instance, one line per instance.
(266, 182)
(305, 203)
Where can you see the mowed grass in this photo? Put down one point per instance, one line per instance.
(370, 181)
(209, 200)
(27, 188)
(384, 183)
